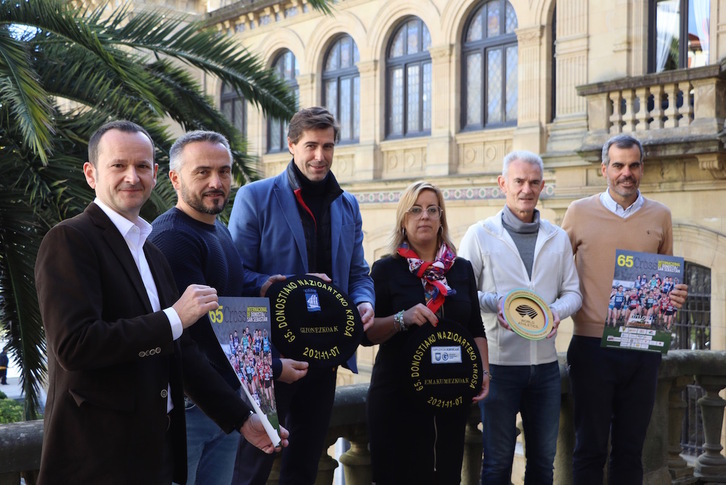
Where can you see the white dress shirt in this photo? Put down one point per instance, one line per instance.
(610, 204)
(135, 235)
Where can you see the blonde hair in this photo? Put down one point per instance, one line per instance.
(407, 200)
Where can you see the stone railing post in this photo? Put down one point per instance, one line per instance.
(641, 116)
(671, 112)
(616, 115)
(711, 465)
(566, 435)
(629, 117)
(677, 466)
(471, 467)
(357, 461)
(327, 464)
(348, 421)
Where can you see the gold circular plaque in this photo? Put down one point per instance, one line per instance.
(528, 314)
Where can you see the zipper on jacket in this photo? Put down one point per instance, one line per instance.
(436, 438)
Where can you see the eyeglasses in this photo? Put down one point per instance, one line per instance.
(434, 211)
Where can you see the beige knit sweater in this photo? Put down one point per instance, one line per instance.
(595, 234)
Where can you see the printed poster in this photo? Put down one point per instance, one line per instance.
(242, 327)
(640, 315)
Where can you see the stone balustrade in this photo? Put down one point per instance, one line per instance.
(662, 108)
(20, 443)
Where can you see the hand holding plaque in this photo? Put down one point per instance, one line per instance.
(527, 314)
(314, 321)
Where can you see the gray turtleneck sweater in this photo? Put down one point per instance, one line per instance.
(524, 235)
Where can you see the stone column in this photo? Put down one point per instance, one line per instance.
(327, 464)
(471, 467)
(357, 461)
(367, 155)
(306, 83)
(711, 465)
(439, 146)
(657, 438)
(709, 108)
(369, 102)
(565, 437)
(677, 466)
(529, 132)
(571, 51)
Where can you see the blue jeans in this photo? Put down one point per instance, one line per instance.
(534, 391)
(210, 451)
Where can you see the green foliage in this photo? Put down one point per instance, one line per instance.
(129, 65)
(10, 410)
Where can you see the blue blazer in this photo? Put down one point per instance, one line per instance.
(266, 228)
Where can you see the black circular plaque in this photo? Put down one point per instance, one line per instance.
(313, 321)
(444, 368)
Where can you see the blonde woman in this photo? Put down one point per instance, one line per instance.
(420, 282)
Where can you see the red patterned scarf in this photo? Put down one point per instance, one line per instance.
(432, 274)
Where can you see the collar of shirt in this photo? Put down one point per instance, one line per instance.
(617, 209)
(134, 234)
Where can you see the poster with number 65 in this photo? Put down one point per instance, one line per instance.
(640, 315)
(242, 327)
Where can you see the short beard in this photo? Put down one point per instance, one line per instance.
(197, 203)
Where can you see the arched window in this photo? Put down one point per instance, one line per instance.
(489, 73)
(408, 74)
(234, 108)
(341, 87)
(286, 67)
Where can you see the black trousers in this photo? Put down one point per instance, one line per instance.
(614, 393)
(411, 445)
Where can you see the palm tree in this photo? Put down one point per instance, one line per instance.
(64, 71)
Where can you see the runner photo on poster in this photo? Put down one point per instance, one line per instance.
(640, 315)
(242, 327)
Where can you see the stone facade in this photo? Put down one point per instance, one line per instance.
(581, 76)
(601, 54)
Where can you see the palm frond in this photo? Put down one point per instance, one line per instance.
(21, 92)
(123, 66)
(322, 6)
(18, 300)
(172, 34)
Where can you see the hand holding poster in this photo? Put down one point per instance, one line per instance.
(640, 314)
(242, 327)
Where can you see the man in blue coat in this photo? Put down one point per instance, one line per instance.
(301, 222)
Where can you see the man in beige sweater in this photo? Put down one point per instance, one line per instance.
(613, 389)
